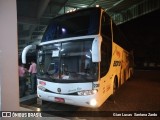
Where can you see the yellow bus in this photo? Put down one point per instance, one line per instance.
(82, 59)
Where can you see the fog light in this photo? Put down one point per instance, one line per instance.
(93, 102)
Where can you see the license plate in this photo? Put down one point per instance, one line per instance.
(61, 100)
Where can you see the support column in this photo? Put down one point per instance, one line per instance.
(9, 56)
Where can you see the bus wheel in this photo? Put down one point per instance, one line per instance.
(124, 76)
(131, 73)
(115, 84)
(115, 87)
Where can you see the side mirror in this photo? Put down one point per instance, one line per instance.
(24, 52)
(96, 49)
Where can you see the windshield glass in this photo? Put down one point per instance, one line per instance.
(67, 61)
(78, 23)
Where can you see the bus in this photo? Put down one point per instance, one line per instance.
(82, 59)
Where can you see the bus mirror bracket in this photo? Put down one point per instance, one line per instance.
(24, 52)
(96, 52)
(38, 47)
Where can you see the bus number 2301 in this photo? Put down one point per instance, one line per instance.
(117, 63)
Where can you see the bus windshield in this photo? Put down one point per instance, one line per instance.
(78, 23)
(70, 61)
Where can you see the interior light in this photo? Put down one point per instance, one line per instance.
(88, 56)
(63, 30)
(91, 51)
(40, 52)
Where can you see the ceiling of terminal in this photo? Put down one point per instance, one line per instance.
(34, 15)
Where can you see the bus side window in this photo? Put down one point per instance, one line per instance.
(106, 46)
(106, 26)
(106, 53)
(119, 38)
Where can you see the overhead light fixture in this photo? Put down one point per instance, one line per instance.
(97, 5)
(84, 6)
(71, 10)
(118, 2)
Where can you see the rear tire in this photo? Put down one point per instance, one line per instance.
(115, 84)
(115, 87)
(131, 73)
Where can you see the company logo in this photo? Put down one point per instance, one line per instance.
(116, 63)
(6, 114)
(59, 90)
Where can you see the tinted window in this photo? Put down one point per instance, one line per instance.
(106, 53)
(79, 23)
(119, 38)
(106, 26)
(106, 46)
(67, 61)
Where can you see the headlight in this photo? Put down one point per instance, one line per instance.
(41, 88)
(87, 92)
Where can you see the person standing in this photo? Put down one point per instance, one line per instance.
(33, 72)
(22, 80)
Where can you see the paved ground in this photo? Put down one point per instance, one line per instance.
(138, 95)
(142, 93)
